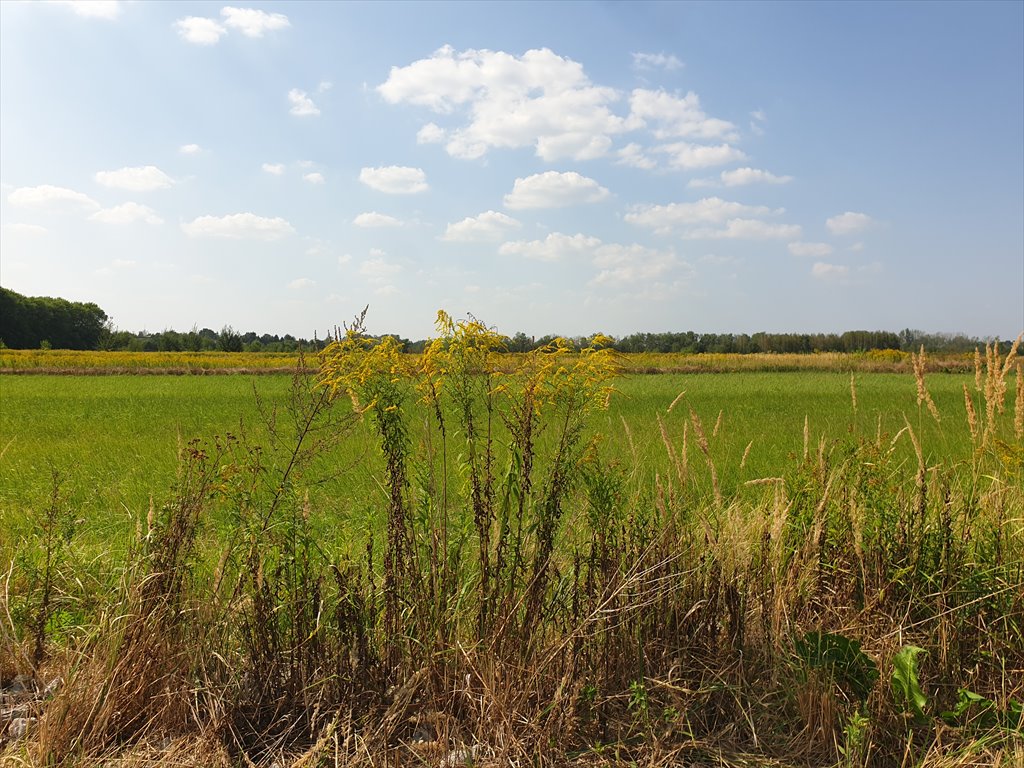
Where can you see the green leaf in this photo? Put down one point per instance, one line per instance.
(905, 683)
(842, 658)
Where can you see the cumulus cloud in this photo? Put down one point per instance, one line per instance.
(139, 179)
(554, 247)
(47, 195)
(631, 263)
(489, 225)
(373, 219)
(741, 177)
(664, 219)
(848, 223)
(825, 271)
(431, 133)
(199, 30)
(616, 263)
(810, 249)
(552, 189)
(190, 149)
(314, 178)
(634, 156)
(30, 230)
(746, 229)
(94, 9)
(276, 169)
(302, 105)
(127, 213)
(538, 100)
(378, 269)
(685, 155)
(251, 22)
(671, 116)
(238, 226)
(647, 61)
(301, 282)
(395, 179)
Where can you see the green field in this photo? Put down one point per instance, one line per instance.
(115, 440)
(727, 568)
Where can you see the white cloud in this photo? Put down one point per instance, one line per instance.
(276, 169)
(431, 133)
(810, 249)
(684, 155)
(743, 176)
(139, 179)
(633, 155)
(395, 179)
(554, 247)
(251, 22)
(29, 230)
(47, 195)
(489, 225)
(190, 149)
(632, 263)
(199, 30)
(538, 99)
(616, 263)
(656, 61)
(663, 219)
(94, 9)
(759, 115)
(552, 189)
(373, 219)
(302, 105)
(325, 85)
(677, 116)
(314, 178)
(385, 290)
(238, 226)
(856, 247)
(848, 223)
(127, 213)
(299, 283)
(378, 269)
(825, 271)
(746, 229)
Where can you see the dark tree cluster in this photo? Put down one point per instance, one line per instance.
(31, 322)
(34, 322)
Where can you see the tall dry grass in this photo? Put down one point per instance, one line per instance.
(525, 599)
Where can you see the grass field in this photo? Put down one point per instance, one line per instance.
(115, 440)
(746, 568)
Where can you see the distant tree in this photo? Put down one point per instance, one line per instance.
(229, 340)
(26, 321)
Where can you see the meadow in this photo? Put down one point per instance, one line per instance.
(448, 561)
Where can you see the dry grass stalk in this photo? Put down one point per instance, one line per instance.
(972, 416)
(853, 393)
(807, 437)
(670, 450)
(746, 453)
(923, 396)
(1018, 405)
(978, 377)
(679, 397)
(702, 443)
(718, 425)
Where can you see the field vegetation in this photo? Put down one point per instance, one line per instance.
(445, 559)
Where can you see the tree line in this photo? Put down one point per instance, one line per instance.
(43, 322)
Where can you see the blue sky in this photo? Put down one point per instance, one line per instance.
(550, 168)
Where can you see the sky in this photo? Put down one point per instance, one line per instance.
(546, 167)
